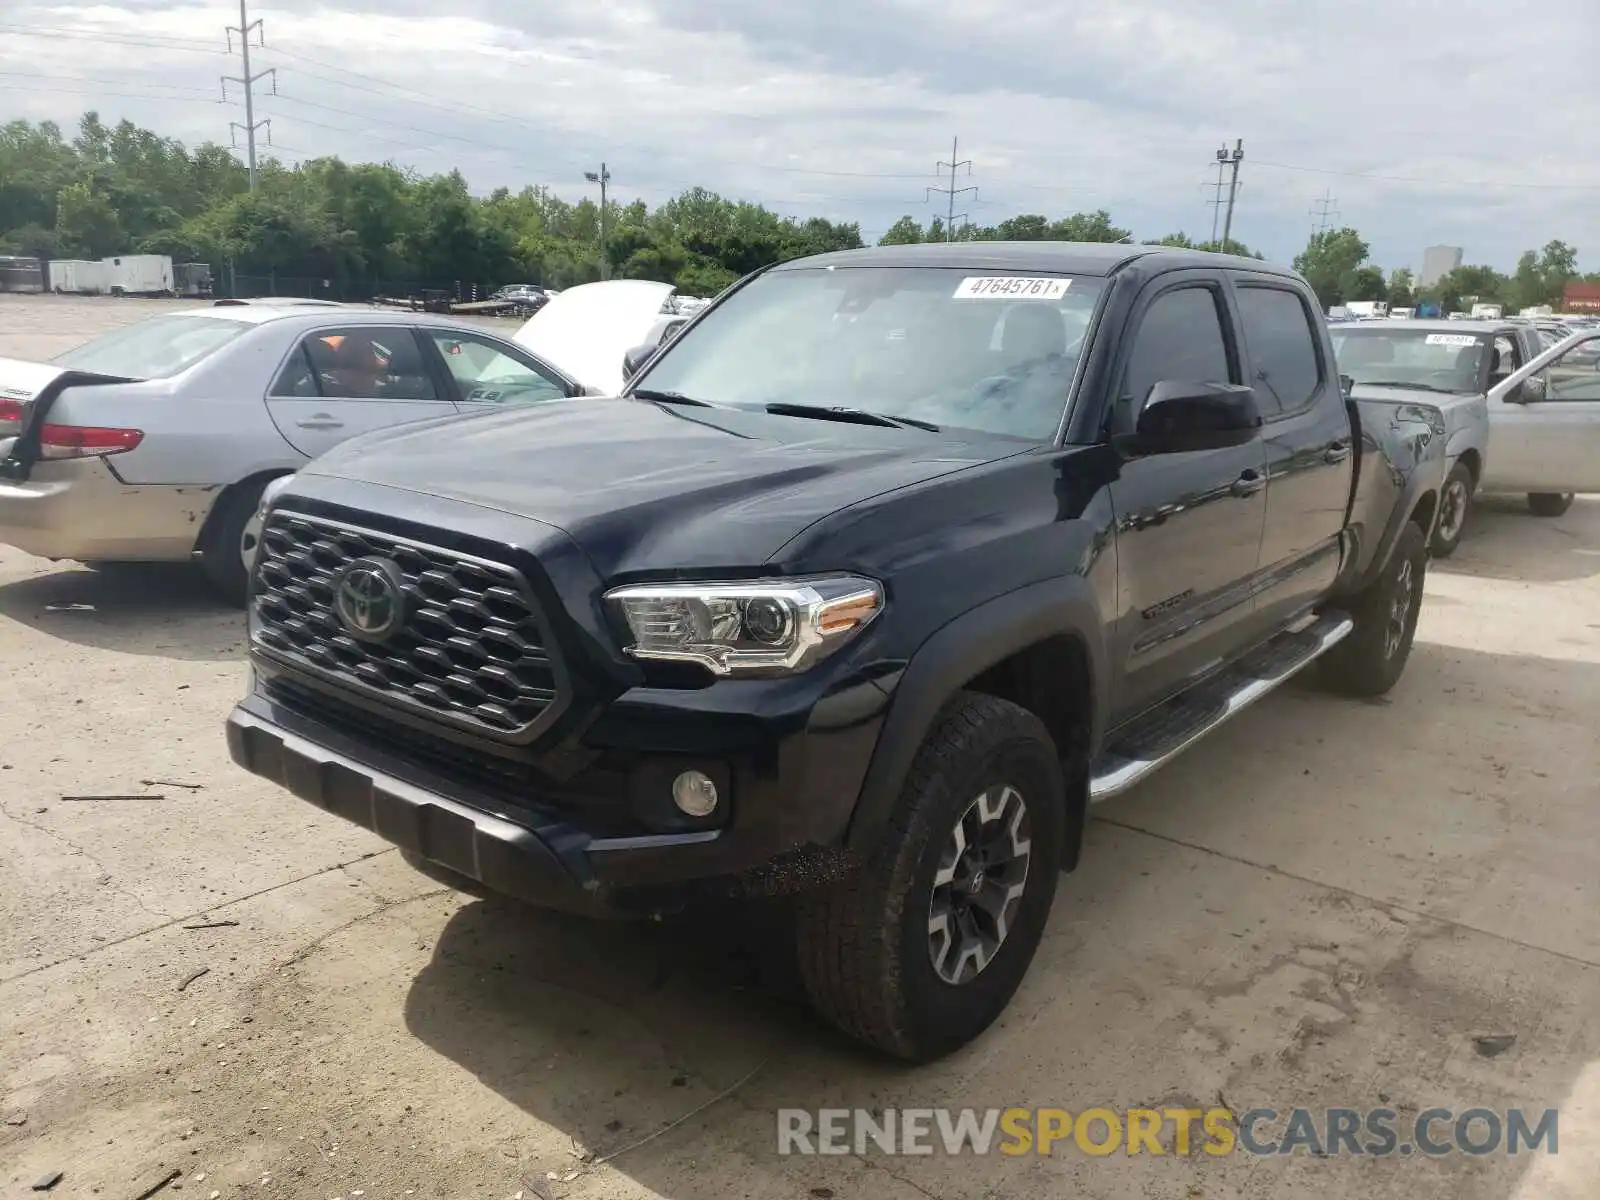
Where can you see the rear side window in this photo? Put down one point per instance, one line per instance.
(1181, 339)
(375, 363)
(1283, 350)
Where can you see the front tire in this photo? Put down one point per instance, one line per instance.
(1372, 658)
(1455, 502)
(1549, 504)
(920, 951)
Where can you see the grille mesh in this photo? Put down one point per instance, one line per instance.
(470, 652)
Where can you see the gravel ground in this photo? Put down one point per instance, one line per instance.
(1323, 905)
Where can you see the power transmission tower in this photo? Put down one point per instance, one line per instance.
(602, 177)
(952, 191)
(1233, 160)
(1326, 211)
(248, 81)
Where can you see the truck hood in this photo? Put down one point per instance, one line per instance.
(641, 486)
(586, 330)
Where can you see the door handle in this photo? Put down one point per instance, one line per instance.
(1249, 483)
(321, 421)
(1337, 452)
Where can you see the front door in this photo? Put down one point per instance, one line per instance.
(344, 380)
(1550, 441)
(1188, 525)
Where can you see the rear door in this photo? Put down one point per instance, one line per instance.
(1310, 455)
(342, 380)
(1550, 442)
(487, 373)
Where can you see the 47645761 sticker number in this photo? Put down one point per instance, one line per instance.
(1012, 287)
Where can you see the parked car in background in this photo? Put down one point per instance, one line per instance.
(1449, 364)
(879, 573)
(1545, 423)
(594, 325)
(155, 442)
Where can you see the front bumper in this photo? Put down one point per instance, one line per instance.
(79, 509)
(784, 832)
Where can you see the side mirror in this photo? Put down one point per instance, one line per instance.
(1179, 416)
(633, 361)
(1530, 391)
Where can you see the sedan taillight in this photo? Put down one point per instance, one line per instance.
(11, 417)
(85, 441)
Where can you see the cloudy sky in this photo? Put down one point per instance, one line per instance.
(1466, 122)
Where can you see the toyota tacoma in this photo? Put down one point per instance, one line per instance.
(872, 580)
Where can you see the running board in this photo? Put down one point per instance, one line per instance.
(1153, 740)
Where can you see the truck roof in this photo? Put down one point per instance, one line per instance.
(1438, 325)
(1066, 258)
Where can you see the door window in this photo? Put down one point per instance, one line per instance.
(487, 373)
(382, 363)
(1505, 360)
(1283, 350)
(1575, 375)
(1180, 338)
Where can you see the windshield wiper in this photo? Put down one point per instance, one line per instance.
(854, 416)
(661, 397)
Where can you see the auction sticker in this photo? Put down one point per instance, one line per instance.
(1011, 287)
(1451, 339)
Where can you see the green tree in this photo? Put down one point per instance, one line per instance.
(1465, 286)
(1402, 288)
(904, 232)
(86, 224)
(1329, 263)
(1366, 283)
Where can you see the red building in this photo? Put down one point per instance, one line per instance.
(1581, 297)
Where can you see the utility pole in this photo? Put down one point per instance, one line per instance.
(1325, 210)
(1216, 204)
(602, 177)
(952, 191)
(1232, 160)
(248, 81)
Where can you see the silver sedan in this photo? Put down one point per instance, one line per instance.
(155, 442)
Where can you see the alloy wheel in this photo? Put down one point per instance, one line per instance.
(979, 885)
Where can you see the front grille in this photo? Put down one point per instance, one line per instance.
(471, 651)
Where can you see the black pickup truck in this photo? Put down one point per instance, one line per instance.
(875, 578)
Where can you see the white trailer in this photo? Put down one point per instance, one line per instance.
(140, 275)
(79, 276)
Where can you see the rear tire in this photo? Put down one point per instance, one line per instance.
(1371, 659)
(1549, 504)
(919, 951)
(1455, 502)
(221, 557)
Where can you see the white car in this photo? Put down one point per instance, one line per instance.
(1544, 426)
(592, 326)
(156, 442)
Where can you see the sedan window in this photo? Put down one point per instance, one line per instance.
(379, 363)
(154, 349)
(487, 372)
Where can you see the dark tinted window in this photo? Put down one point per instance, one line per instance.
(1283, 350)
(1180, 338)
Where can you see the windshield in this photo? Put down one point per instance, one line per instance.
(154, 349)
(1447, 362)
(959, 348)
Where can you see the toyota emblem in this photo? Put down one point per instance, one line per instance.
(369, 599)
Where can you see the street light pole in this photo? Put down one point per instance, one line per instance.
(602, 177)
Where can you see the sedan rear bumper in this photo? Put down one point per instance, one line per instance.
(79, 509)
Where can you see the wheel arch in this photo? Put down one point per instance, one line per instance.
(225, 497)
(1041, 647)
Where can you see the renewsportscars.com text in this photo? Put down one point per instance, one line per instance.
(1378, 1132)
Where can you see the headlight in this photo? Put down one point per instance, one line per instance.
(760, 626)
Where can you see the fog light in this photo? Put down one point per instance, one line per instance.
(695, 794)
